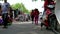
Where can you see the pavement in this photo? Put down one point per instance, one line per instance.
(25, 28)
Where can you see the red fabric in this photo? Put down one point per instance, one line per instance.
(46, 23)
(36, 20)
(45, 4)
(36, 13)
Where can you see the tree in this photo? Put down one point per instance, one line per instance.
(1, 0)
(34, 0)
(20, 6)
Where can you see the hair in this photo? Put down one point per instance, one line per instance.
(36, 9)
(5, 0)
(50, 1)
(32, 10)
(41, 18)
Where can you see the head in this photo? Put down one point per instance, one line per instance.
(32, 10)
(48, 12)
(35, 9)
(50, 0)
(41, 18)
(5, 1)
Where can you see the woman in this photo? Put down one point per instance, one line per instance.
(36, 16)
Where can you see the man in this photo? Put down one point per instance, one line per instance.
(5, 9)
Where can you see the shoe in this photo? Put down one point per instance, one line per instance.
(48, 28)
(57, 30)
(32, 22)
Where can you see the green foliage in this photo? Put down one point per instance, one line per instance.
(34, 0)
(20, 6)
(1, 0)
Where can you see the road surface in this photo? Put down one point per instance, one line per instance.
(24, 28)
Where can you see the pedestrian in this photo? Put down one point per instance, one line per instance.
(1, 21)
(36, 16)
(32, 16)
(5, 11)
(42, 22)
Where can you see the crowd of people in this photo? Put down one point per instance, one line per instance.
(50, 20)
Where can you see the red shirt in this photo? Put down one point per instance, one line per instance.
(36, 13)
(46, 3)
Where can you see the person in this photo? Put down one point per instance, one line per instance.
(10, 15)
(1, 21)
(36, 16)
(10, 12)
(0, 8)
(5, 8)
(49, 4)
(52, 20)
(44, 22)
(45, 6)
(32, 16)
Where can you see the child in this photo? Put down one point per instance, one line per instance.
(42, 23)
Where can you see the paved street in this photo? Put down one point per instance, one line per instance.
(24, 28)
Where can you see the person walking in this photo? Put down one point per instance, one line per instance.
(32, 16)
(36, 16)
(5, 10)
